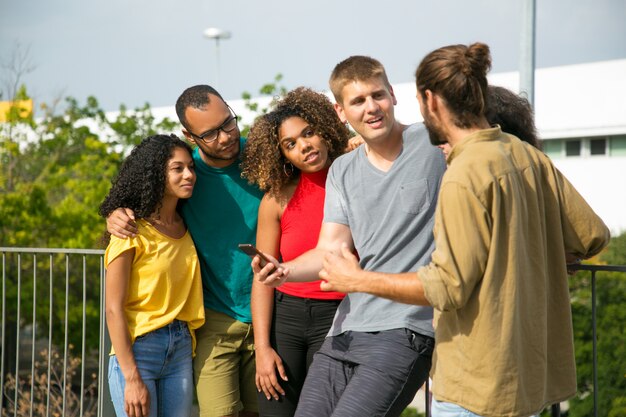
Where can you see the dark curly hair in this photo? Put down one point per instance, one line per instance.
(262, 159)
(140, 183)
(513, 113)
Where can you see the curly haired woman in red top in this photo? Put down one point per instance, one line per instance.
(288, 153)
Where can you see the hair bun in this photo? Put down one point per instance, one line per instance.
(478, 59)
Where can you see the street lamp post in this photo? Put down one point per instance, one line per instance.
(217, 34)
(527, 50)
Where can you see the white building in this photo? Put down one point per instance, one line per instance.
(581, 117)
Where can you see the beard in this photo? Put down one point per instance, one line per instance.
(435, 133)
(220, 155)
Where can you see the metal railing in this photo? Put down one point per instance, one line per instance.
(556, 412)
(40, 372)
(21, 376)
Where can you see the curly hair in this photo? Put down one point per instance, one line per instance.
(140, 183)
(262, 159)
(513, 113)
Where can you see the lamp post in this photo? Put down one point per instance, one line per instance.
(527, 50)
(217, 34)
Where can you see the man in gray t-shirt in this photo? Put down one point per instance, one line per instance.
(391, 218)
(380, 200)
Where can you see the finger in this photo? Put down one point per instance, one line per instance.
(273, 387)
(283, 374)
(257, 381)
(266, 391)
(129, 213)
(145, 408)
(326, 286)
(121, 233)
(256, 267)
(129, 226)
(323, 274)
(347, 253)
(268, 267)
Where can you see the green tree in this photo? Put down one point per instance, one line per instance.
(54, 174)
(272, 89)
(611, 342)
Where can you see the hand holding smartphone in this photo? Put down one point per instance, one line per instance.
(251, 251)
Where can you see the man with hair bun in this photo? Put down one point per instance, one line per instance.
(506, 225)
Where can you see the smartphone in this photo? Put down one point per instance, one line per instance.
(251, 251)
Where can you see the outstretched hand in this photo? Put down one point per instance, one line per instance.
(341, 272)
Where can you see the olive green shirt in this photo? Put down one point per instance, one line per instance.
(498, 281)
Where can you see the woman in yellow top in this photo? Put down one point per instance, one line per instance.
(153, 285)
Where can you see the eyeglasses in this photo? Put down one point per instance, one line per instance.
(211, 135)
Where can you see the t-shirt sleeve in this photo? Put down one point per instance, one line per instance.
(334, 202)
(118, 246)
(462, 239)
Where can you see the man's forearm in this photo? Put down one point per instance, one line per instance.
(306, 267)
(404, 288)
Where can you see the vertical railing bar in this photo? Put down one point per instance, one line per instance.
(594, 342)
(17, 339)
(427, 397)
(50, 313)
(100, 347)
(32, 354)
(4, 290)
(65, 345)
(82, 353)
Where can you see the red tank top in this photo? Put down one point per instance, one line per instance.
(300, 227)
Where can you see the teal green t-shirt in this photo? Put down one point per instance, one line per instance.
(222, 213)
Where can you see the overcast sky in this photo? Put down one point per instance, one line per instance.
(136, 51)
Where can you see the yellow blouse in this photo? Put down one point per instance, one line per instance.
(165, 282)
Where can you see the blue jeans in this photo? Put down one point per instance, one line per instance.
(163, 358)
(443, 409)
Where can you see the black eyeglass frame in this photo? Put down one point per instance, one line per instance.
(216, 131)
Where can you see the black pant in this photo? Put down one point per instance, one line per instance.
(299, 327)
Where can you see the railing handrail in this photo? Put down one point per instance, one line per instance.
(54, 250)
(593, 268)
(596, 268)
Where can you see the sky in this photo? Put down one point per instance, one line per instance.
(134, 52)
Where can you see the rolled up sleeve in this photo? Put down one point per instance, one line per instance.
(462, 237)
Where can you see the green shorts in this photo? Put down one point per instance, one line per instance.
(224, 367)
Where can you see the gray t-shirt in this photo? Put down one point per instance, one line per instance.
(391, 217)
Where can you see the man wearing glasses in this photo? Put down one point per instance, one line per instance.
(221, 214)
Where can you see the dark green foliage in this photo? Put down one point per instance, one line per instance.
(54, 173)
(611, 341)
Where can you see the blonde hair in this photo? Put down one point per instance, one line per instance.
(355, 68)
